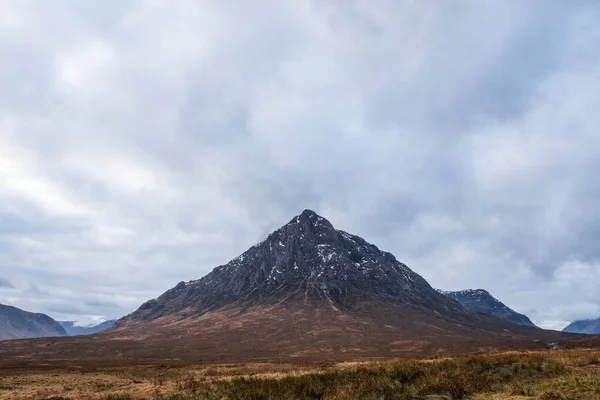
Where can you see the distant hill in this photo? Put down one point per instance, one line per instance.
(479, 300)
(18, 324)
(588, 326)
(74, 330)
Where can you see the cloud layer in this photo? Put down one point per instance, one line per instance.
(143, 143)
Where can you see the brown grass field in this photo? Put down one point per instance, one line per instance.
(560, 374)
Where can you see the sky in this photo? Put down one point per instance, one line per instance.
(143, 143)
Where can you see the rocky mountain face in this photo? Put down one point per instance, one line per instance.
(18, 324)
(588, 326)
(307, 292)
(74, 330)
(306, 260)
(480, 301)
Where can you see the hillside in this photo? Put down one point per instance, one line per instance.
(588, 326)
(17, 324)
(309, 288)
(307, 292)
(480, 301)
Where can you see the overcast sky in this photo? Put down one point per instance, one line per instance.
(143, 143)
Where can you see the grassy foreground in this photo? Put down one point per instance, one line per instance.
(568, 374)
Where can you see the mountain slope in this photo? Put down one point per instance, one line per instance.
(308, 292)
(306, 261)
(17, 324)
(73, 330)
(480, 301)
(308, 289)
(588, 326)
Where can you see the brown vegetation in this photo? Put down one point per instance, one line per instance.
(563, 374)
(292, 332)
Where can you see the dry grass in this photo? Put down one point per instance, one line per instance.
(567, 374)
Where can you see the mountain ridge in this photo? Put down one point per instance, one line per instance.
(481, 301)
(306, 258)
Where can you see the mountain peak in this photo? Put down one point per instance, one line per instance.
(309, 288)
(311, 220)
(309, 214)
(304, 259)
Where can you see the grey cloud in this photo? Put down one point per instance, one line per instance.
(4, 283)
(141, 145)
(99, 304)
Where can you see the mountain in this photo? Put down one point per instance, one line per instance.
(307, 292)
(588, 326)
(74, 330)
(18, 324)
(306, 261)
(309, 288)
(480, 301)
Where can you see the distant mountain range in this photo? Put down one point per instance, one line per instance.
(18, 324)
(588, 326)
(74, 330)
(480, 301)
